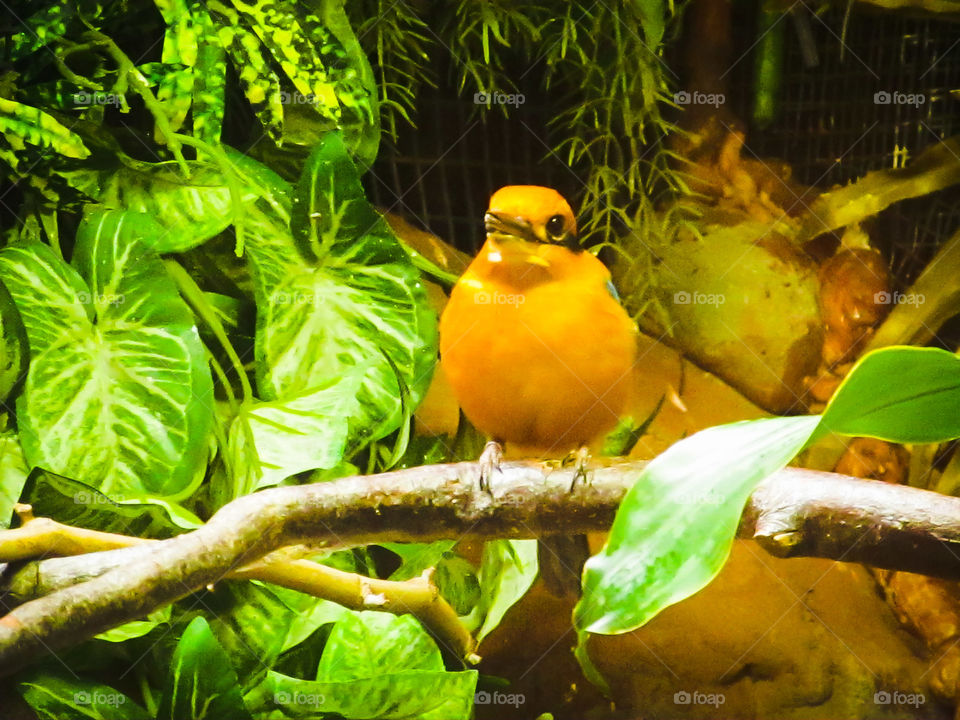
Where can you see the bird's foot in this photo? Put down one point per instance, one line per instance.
(579, 459)
(489, 461)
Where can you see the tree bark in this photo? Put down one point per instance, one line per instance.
(794, 513)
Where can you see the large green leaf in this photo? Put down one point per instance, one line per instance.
(201, 683)
(375, 665)
(675, 526)
(361, 304)
(901, 394)
(56, 698)
(674, 529)
(187, 210)
(118, 393)
(270, 441)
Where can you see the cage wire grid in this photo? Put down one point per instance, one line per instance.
(828, 127)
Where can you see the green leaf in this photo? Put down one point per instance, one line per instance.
(202, 683)
(353, 80)
(14, 349)
(507, 570)
(270, 441)
(260, 83)
(899, 394)
(277, 25)
(80, 505)
(13, 475)
(187, 211)
(118, 393)
(21, 124)
(363, 644)
(375, 665)
(209, 88)
(136, 628)
(361, 305)
(675, 527)
(455, 577)
(56, 698)
(409, 695)
(41, 28)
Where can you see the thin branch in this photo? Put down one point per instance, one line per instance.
(794, 513)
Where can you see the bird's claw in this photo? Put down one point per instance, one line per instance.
(580, 457)
(489, 461)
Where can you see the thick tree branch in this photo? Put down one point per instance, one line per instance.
(796, 512)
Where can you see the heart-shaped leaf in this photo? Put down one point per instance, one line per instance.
(118, 393)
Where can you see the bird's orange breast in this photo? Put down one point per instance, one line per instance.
(538, 355)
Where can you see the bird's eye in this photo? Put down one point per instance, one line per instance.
(555, 226)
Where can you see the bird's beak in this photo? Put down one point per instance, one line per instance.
(514, 240)
(502, 227)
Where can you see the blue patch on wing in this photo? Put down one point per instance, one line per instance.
(612, 290)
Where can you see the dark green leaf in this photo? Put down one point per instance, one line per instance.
(202, 683)
(56, 698)
(74, 503)
(375, 665)
(14, 350)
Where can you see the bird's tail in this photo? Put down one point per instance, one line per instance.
(561, 559)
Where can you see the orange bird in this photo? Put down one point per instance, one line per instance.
(534, 341)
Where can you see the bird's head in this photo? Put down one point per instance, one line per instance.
(522, 217)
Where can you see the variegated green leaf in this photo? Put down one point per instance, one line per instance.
(351, 74)
(118, 394)
(189, 210)
(270, 441)
(278, 26)
(374, 665)
(55, 698)
(209, 96)
(361, 304)
(39, 30)
(260, 83)
(175, 95)
(21, 123)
